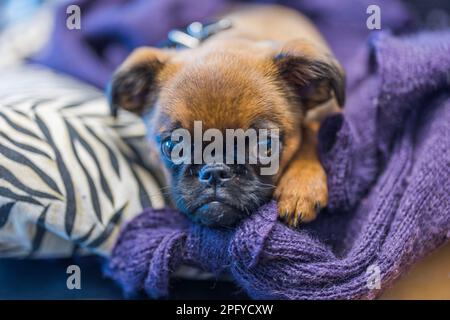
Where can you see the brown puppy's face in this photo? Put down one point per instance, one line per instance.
(245, 87)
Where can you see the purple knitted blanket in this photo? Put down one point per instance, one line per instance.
(387, 159)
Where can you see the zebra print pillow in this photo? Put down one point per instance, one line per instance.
(69, 173)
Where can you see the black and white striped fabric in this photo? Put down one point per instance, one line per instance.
(69, 173)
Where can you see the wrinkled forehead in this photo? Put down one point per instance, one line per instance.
(223, 96)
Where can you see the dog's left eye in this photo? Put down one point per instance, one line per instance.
(167, 147)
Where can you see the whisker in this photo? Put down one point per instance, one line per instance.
(266, 185)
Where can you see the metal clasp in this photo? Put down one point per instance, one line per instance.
(196, 32)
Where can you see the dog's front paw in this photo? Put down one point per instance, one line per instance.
(301, 198)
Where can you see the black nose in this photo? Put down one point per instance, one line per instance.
(214, 173)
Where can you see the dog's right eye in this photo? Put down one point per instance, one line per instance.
(167, 147)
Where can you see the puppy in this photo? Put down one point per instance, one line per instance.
(270, 69)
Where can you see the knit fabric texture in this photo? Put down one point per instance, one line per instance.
(387, 158)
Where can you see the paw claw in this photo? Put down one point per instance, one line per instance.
(317, 207)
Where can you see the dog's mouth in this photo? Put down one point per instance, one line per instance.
(216, 212)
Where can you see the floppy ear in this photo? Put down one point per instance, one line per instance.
(312, 74)
(134, 86)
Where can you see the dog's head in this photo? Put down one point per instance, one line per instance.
(233, 86)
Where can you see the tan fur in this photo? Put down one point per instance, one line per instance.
(231, 81)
